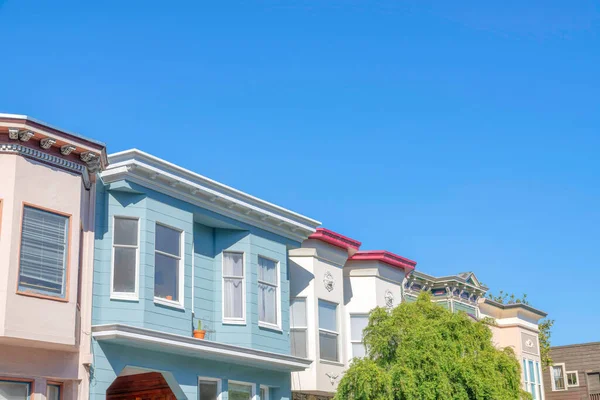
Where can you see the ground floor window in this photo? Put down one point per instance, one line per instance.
(240, 391)
(14, 390)
(209, 389)
(53, 391)
(264, 392)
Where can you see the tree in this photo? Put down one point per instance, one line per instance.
(421, 351)
(545, 327)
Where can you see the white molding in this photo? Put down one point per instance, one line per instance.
(206, 349)
(234, 321)
(127, 296)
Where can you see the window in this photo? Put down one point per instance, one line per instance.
(209, 389)
(234, 297)
(357, 324)
(298, 327)
(168, 274)
(44, 253)
(557, 373)
(531, 375)
(53, 391)
(268, 291)
(15, 390)
(328, 332)
(240, 391)
(125, 258)
(264, 392)
(572, 379)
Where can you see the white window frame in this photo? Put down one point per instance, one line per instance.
(337, 333)
(181, 283)
(253, 385)
(554, 389)
(576, 376)
(233, 321)
(266, 389)
(301, 328)
(263, 324)
(537, 379)
(219, 386)
(352, 342)
(125, 295)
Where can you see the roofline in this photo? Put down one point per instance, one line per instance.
(449, 277)
(336, 239)
(575, 345)
(39, 122)
(515, 305)
(386, 257)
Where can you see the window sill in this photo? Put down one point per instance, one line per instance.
(233, 322)
(168, 303)
(121, 297)
(270, 327)
(43, 296)
(339, 364)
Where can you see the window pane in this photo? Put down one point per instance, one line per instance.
(167, 240)
(298, 343)
(357, 324)
(525, 370)
(14, 390)
(557, 375)
(267, 271)
(537, 373)
(208, 390)
(126, 231)
(358, 350)
(233, 298)
(531, 374)
(239, 392)
(532, 391)
(298, 313)
(43, 260)
(166, 277)
(124, 274)
(267, 303)
(233, 264)
(328, 346)
(53, 392)
(572, 378)
(327, 315)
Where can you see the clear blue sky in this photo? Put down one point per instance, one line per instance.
(464, 136)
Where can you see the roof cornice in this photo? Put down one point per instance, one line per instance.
(515, 306)
(334, 238)
(165, 177)
(444, 279)
(386, 257)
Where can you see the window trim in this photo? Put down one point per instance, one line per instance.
(576, 376)
(266, 388)
(68, 254)
(29, 382)
(352, 342)
(125, 295)
(554, 389)
(337, 333)
(301, 328)
(229, 320)
(208, 379)
(159, 300)
(253, 385)
(60, 388)
(263, 324)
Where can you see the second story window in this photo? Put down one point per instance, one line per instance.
(357, 324)
(234, 296)
(168, 274)
(125, 258)
(328, 331)
(44, 253)
(298, 327)
(557, 373)
(268, 296)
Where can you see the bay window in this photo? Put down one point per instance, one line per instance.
(234, 287)
(168, 264)
(357, 324)
(268, 291)
(532, 378)
(328, 331)
(44, 253)
(298, 327)
(125, 258)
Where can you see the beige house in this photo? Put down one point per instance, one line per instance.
(47, 197)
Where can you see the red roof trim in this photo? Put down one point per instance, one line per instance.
(385, 256)
(335, 239)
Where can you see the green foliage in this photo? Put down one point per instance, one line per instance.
(421, 351)
(199, 325)
(545, 326)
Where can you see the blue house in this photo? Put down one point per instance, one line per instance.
(172, 249)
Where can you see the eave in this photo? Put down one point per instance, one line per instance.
(386, 257)
(335, 239)
(188, 346)
(162, 176)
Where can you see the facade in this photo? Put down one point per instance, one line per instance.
(575, 374)
(174, 248)
(47, 200)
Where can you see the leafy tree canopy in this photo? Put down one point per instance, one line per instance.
(421, 351)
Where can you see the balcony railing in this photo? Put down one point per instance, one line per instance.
(595, 396)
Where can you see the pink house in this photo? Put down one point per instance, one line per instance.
(47, 197)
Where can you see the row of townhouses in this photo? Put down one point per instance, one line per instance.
(128, 277)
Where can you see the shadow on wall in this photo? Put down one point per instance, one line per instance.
(299, 278)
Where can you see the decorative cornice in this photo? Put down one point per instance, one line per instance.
(13, 133)
(391, 259)
(67, 149)
(334, 238)
(46, 143)
(25, 135)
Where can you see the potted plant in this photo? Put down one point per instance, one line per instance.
(199, 333)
